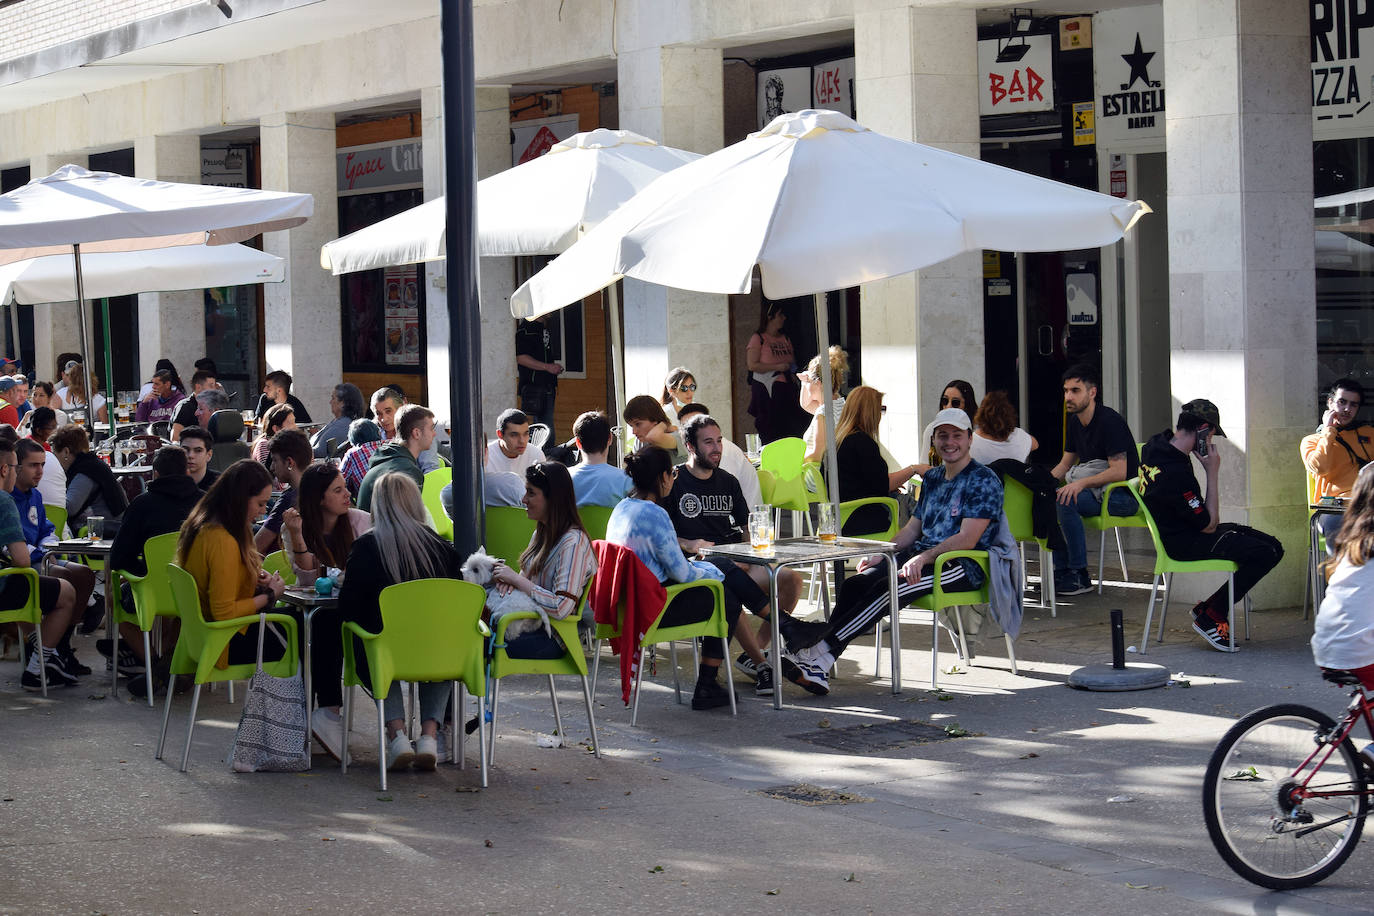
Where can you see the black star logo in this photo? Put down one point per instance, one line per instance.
(1140, 63)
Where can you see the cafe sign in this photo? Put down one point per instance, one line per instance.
(389, 166)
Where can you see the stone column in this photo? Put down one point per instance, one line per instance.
(56, 325)
(1242, 304)
(676, 96)
(170, 325)
(302, 322)
(916, 73)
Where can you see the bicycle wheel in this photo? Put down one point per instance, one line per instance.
(1266, 826)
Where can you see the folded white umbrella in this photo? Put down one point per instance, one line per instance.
(50, 279)
(819, 202)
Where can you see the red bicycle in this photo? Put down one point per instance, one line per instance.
(1286, 792)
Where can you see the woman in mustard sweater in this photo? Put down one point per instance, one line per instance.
(216, 547)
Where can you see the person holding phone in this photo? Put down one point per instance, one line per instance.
(1189, 519)
(1336, 452)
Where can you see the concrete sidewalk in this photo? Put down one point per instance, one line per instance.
(1057, 801)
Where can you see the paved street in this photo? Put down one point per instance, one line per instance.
(1057, 801)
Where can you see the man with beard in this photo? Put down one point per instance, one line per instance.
(1100, 450)
(1338, 449)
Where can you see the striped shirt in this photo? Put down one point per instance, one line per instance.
(568, 567)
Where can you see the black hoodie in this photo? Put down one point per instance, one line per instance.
(159, 510)
(1170, 490)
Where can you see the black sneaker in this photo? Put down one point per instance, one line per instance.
(1070, 582)
(763, 682)
(138, 686)
(747, 665)
(710, 695)
(801, 634)
(72, 664)
(30, 681)
(129, 665)
(94, 617)
(1216, 632)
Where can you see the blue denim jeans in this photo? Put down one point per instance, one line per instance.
(1075, 556)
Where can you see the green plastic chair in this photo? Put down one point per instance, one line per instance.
(278, 562)
(819, 493)
(1316, 552)
(1016, 503)
(432, 630)
(573, 663)
(594, 520)
(936, 601)
(435, 481)
(152, 599)
(509, 529)
(1166, 566)
(784, 459)
(1104, 521)
(58, 516)
(200, 644)
(29, 612)
(715, 625)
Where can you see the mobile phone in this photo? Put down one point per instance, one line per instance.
(1204, 438)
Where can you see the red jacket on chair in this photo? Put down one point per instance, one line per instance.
(623, 580)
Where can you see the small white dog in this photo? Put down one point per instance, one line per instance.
(479, 568)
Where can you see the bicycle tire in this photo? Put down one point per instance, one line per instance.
(1252, 820)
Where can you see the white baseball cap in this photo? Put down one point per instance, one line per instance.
(950, 416)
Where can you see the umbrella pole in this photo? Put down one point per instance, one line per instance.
(15, 347)
(85, 336)
(832, 465)
(617, 351)
(109, 368)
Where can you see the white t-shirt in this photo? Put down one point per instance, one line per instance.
(53, 484)
(498, 462)
(1017, 447)
(734, 461)
(1343, 636)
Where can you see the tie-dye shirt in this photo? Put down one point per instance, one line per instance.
(645, 528)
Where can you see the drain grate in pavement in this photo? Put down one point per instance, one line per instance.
(807, 794)
(882, 736)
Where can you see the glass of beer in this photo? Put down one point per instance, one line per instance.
(95, 527)
(760, 529)
(825, 522)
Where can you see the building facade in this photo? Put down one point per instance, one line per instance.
(1227, 116)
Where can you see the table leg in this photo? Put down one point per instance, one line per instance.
(776, 621)
(306, 617)
(112, 633)
(895, 619)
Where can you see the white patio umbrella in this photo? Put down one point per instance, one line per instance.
(74, 211)
(50, 279)
(819, 202)
(540, 207)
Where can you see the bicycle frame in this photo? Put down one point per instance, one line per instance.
(1358, 709)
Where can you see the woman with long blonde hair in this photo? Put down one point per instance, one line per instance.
(1343, 637)
(73, 397)
(861, 469)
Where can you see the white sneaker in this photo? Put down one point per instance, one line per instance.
(400, 753)
(426, 753)
(327, 727)
(809, 669)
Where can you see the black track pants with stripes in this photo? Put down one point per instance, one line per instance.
(864, 598)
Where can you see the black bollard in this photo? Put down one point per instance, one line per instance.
(1118, 641)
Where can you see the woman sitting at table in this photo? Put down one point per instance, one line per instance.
(641, 524)
(278, 418)
(557, 563)
(862, 471)
(400, 547)
(41, 396)
(650, 426)
(996, 434)
(73, 397)
(318, 533)
(215, 546)
(91, 486)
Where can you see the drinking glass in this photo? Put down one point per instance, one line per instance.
(825, 522)
(95, 527)
(760, 529)
(752, 447)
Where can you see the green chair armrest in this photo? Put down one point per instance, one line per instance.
(848, 508)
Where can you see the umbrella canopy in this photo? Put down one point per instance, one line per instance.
(819, 202)
(539, 207)
(101, 211)
(51, 279)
